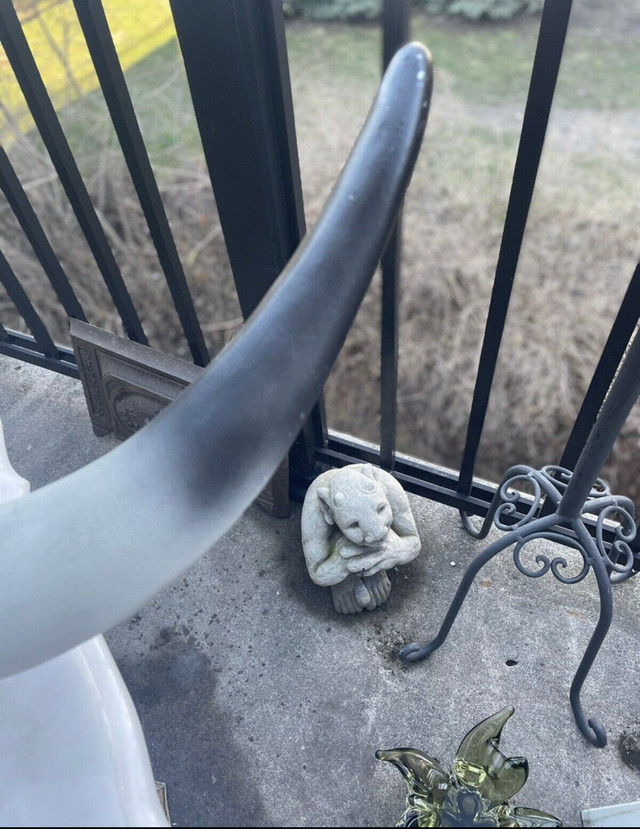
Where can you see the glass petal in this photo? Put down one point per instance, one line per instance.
(508, 778)
(467, 807)
(420, 813)
(480, 763)
(506, 818)
(423, 775)
(534, 817)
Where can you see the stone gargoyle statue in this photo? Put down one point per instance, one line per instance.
(356, 525)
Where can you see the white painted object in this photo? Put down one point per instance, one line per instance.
(623, 814)
(11, 484)
(72, 752)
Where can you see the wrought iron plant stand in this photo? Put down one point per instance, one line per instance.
(564, 505)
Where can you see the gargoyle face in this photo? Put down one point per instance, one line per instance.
(359, 506)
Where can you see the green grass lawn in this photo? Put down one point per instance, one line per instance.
(484, 64)
(56, 41)
(488, 63)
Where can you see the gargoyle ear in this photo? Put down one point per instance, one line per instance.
(367, 471)
(324, 499)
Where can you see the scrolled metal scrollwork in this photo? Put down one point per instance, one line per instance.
(550, 482)
(510, 496)
(555, 565)
(544, 486)
(624, 532)
(560, 477)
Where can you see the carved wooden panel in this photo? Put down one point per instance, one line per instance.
(126, 384)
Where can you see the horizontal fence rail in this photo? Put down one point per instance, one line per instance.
(26, 348)
(433, 483)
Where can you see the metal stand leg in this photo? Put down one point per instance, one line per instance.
(572, 495)
(414, 652)
(550, 483)
(592, 729)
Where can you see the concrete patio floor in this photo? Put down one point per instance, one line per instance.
(262, 707)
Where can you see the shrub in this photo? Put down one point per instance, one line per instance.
(333, 9)
(492, 9)
(370, 9)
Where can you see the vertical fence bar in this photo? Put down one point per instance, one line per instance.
(26, 310)
(546, 65)
(395, 28)
(25, 214)
(114, 88)
(618, 403)
(612, 354)
(610, 359)
(35, 93)
(235, 75)
(235, 59)
(24, 347)
(395, 33)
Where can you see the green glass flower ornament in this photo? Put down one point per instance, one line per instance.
(477, 790)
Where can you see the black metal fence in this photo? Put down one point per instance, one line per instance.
(236, 64)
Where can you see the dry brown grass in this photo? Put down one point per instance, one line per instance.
(579, 252)
(192, 214)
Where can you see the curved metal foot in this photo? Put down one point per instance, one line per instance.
(591, 729)
(476, 532)
(414, 651)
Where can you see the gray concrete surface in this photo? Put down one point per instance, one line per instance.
(262, 707)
